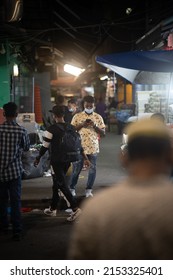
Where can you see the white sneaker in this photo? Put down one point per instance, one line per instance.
(73, 192)
(88, 193)
(68, 210)
(50, 212)
(74, 215)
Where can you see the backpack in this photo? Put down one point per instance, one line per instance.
(70, 144)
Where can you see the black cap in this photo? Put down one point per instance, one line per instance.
(58, 111)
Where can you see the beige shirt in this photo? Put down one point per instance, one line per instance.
(131, 220)
(90, 140)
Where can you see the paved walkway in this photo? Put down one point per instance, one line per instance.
(48, 237)
(109, 171)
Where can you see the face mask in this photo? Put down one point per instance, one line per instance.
(70, 109)
(89, 111)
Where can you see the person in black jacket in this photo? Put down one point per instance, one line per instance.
(52, 138)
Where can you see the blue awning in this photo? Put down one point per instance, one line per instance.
(129, 64)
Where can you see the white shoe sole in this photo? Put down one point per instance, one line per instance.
(68, 210)
(74, 216)
(89, 195)
(50, 214)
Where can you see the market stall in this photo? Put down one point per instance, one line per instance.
(139, 66)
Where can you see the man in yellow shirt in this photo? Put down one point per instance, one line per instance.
(90, 125)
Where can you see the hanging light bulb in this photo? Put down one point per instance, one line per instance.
(73, 70)
(15, 70)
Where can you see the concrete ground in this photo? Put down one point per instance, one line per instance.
(47, 238)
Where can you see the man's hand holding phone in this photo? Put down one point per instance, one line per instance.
(88, 123)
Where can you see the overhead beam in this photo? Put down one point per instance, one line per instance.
(82, 49)
(68, 9)
(66, 22)
(60, 27)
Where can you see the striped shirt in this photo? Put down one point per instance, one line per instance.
(13, 140)
(53, 136)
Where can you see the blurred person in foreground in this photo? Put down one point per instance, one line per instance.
(158, 116)
(133, 219)
(14, 139)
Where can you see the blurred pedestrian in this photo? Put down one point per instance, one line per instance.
(60, 100)
(132, 220)
(113, 103)
(71, 110)
(89, 124)
(101, 109)
(14, 139)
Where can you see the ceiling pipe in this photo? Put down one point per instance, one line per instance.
(68, 9)
(60, 27)
(66, 22)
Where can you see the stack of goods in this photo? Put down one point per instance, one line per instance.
(157, 102)
(170, 114)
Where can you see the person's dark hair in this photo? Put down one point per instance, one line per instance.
(10, 109)
(89, 99)
(143, 147)
(100, 99)
(72, 101)
(58, 111)
(59, 100)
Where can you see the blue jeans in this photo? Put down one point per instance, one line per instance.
(77, 167)
(11, 190)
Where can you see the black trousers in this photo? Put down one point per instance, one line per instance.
(60, 169)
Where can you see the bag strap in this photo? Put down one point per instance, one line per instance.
(60, 127)
(67, 126)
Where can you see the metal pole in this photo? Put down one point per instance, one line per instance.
(14, 90)
(169, 92)
(33, 94)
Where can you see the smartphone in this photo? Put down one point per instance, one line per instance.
(88, 120)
